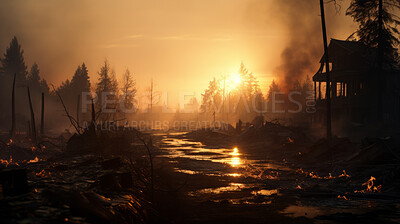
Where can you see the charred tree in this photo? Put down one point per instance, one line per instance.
(72, 120)
(33, 126)
(151, 96)
(93, 113)
(42, 117)
(77, 108)
(13, 121)
(328, 77)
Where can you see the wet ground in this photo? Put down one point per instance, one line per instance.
(215, 184)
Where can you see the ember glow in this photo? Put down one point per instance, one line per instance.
(43, 174)
(9, 162)
(371, 188)
(35, 160)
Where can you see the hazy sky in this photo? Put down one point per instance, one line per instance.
(181, 44)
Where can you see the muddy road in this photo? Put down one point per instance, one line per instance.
(229, 184)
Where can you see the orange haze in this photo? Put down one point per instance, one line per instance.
(181, 44)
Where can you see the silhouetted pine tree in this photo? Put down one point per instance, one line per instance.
(128, 90)
(13, 61)
(107, 86)
(211, 97)
(273, 88)
(274, 95)
(65, 89)
(36, 84)
(366, 13)
(80, 81)
(249, 84)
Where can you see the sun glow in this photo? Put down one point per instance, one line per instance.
(232, 82)
(236, 79)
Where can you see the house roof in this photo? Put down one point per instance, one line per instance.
(349, 46)
(354, 49)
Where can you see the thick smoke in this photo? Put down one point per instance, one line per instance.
(298, 24)
(304, 45)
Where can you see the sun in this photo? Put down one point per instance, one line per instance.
(236, 79)
(232, 82)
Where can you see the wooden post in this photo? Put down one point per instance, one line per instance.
(334, 89)
(328, 78)
(315, 91)
(42, 117)
(13, 119)
(380, 61)
(33, 126)
(319, 91)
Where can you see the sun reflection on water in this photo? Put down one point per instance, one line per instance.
(235, 152)
(235, 160)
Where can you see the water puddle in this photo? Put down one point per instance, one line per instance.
(265, 192)
(230, 188)
(233, 158)
(194, 158)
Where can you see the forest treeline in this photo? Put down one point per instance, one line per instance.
(245, 100)
(71, 91)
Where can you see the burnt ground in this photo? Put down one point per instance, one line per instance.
(201, 178)
(271, 182)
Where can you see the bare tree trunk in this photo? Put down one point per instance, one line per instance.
(13, 121)
(214, 119)
(328, 77)
(42, 117)
(93, 113)
(151, 96)
(223, 97)
(77, 108)
(33, 126)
